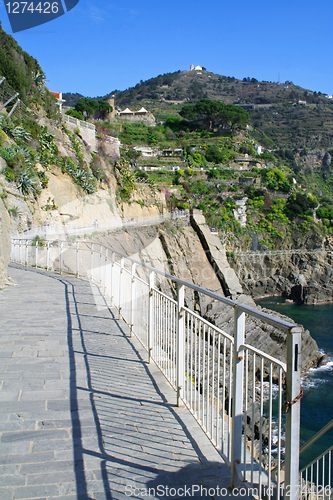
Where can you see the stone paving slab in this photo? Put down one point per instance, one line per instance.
(82, 415)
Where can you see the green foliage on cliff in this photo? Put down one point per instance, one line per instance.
(16, 65)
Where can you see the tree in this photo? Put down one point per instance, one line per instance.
(93, 106)
(215, 114)
(213, 154)
(299, 205)
(74, 114)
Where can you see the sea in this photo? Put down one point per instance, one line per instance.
(317, 401)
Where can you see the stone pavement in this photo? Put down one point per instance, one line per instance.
(82, 415)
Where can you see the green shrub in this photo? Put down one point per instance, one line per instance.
(9, 174)
(75, 114)
(41, 241)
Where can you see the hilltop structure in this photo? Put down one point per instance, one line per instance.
(140, 116)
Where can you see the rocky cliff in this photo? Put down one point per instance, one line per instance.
(303, 275)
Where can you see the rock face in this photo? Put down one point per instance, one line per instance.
(4, 244)
(176, 248)
(302, 277)
(216, 255)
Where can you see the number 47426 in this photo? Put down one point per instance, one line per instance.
(41, 7)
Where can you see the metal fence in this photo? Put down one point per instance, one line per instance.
(245, 401)
(316, 477)
(49, 229)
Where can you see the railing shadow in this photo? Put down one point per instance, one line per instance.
(138, 439)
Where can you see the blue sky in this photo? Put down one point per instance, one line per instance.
(104, 45)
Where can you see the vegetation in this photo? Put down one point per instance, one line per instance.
(93, 107)
(214, 114)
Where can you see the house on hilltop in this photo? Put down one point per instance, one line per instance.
(196, 68)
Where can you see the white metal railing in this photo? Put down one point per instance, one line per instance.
(79, 123)
(233, 390)
(49, 230)
(316, 477)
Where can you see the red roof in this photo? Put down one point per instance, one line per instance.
(56, 94)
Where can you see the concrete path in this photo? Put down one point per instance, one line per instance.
(82, 415)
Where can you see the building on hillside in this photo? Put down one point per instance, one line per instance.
(112, 113)
(259, 149)
(140, 116)
(173, 152)
(59, 98)
(126, 112)
(146, 151)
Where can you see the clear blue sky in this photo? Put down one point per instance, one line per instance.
(100, 45)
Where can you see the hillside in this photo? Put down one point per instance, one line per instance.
(274, 108)
(17, 66)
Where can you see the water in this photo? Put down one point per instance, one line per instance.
(317, 402)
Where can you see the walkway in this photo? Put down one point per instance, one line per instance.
(82, 415)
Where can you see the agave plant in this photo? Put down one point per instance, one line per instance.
(70, 166)
(9, 155)
(26, 183)
(89, 186)
(39, 80)
(21, 133)
(80, 176)
(46, 141)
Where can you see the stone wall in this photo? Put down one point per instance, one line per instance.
(87, 130)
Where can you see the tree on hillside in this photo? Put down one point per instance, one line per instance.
(215, 114)
(93, 107)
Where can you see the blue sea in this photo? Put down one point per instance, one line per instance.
(317, 402)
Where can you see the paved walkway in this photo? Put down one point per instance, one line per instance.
(82, 415)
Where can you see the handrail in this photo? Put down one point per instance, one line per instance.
(267, 318)
(316, 436)
(316, 460)
(267, 356)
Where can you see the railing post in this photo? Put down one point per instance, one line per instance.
(121, 272)
(151, 316)
(20, 252)
(113, 260)
(292, 396)
(36, 254)
(77, 259)
(106, 278)
(100, 266)
(47, 255)
(61, 256)
(237, 395)
(180, 344)
(26, 253)
(133, 297)
(92, 262)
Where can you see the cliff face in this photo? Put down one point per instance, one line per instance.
(176, 248)
(303, 276)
